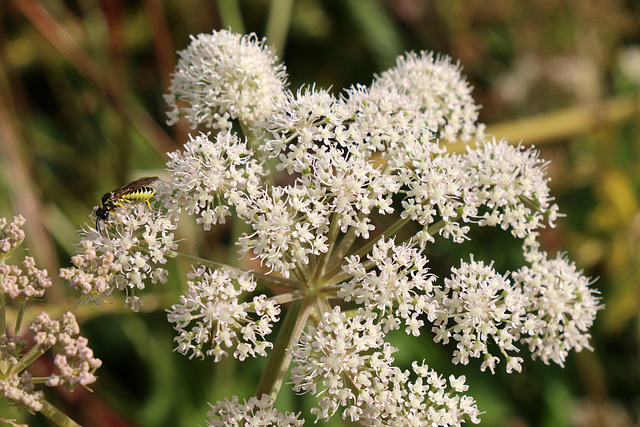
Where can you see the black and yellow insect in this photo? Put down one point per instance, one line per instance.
(138, 191)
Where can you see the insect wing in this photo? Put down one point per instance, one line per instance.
(132, 186)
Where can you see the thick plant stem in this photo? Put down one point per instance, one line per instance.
(56, 416)
(279, 358)
(330, 278)
(35, 352)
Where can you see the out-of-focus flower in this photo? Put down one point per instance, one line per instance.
(11, 235)
(18, 286)
(29, 284)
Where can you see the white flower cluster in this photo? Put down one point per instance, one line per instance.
(435, 193)
(11, 235)
(20, 390)
(91, 272)
(401, 286)
(210, 315)
(74, 358)
(441, 90)
(561, 308)
(29, 284)
(549, 307)
(290, 223)
(318, 136)
(347, 363)
(363, 121)
(341, 198)
(138, 244)
(211, 174)
(223, 76)
(255, 411)
(478, 306)
(511, 183)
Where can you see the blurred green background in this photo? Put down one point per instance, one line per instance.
(81, 113)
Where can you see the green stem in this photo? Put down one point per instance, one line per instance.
(343, 248)
(3, 313)
(279, 358)
(35, 352)
(56, 416)
(323, 259)
(532, 204)
(78, 302)
(19, 317)
(342, 275)
(269, 280)
(238, 228)
(289, 297)
(345, 244)
(321, 305)
(329, 277)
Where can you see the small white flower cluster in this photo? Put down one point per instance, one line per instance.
(91, 272)
(74, 359)
(511, 183)
(495, 184)
(11, 349)
(290, 223)
(483, 307)
(347, 362)
(210, 314)
(76, 364)
(210, 174)
(401, 287)
(20, 390)
(11, 235)
(549, 307)
(51, 331)
(435, 192)
(561, 306)
(255, 411)
(24, 285)
(139, 249)
(442, 91)
(223, 76)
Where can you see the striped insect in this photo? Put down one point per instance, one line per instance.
(138, 191)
